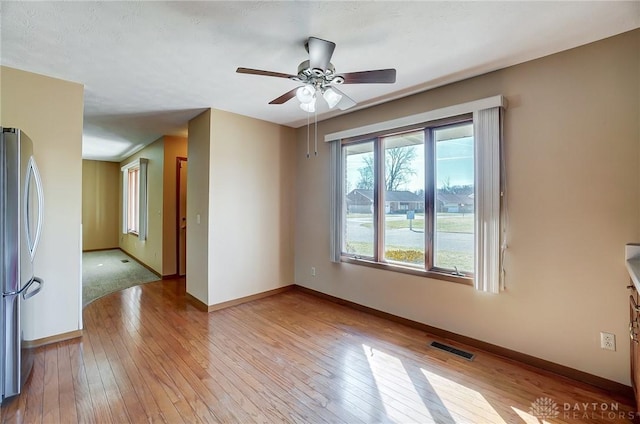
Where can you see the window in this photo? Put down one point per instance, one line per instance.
(390, 215)
(134, 198)
(422, 198)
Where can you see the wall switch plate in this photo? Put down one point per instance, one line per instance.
(608, 341)
(313, 271)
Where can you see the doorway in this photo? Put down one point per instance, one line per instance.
(181, 216)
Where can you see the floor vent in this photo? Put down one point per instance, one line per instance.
(124, 261)
(461, 353)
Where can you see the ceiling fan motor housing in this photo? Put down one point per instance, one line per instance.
(317, 77)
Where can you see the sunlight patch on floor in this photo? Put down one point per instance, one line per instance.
(401, 401)
(462, 400)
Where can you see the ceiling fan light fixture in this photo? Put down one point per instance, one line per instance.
(306, 94)
(310, 106)
(331, 97)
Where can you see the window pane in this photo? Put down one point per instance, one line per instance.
(454, 199)
(358, 224)
(404, 198)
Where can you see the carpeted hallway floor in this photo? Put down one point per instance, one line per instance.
(107, 271)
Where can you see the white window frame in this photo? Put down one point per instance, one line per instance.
(142, 165)
(489, 229)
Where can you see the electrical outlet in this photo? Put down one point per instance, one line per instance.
(313, 271)
(608, 341)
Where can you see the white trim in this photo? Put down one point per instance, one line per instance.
(432, 115)
(132, 164)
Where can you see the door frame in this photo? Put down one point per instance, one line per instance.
(179, 160)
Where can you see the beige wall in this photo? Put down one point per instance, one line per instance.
(251, 206)
(174, 147)
(241, 173)
(149, 251)
(100, 194)
(198, 206)
(50, 112)
(572, 153)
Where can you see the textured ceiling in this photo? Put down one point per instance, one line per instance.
(148, 67)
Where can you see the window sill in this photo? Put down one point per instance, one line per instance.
(466, 280)
(133, 233)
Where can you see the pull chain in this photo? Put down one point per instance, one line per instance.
(308, 135)
(315, 127)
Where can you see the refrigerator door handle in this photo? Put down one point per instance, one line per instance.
(26, 294)
(33, 239)
(24, 291)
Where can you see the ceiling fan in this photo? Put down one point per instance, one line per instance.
(318, 76)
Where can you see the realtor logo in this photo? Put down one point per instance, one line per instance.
(544, 408)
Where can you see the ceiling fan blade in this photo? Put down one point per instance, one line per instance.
(346, 102)
(320, 52)
(263, 73)
(285, 97)
(380, 76)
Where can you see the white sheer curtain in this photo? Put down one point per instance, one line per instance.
(335, 201)
(143, 217)
(487, 200)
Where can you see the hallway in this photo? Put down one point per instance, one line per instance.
(107, 271)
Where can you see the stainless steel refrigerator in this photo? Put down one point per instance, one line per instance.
(21, 211)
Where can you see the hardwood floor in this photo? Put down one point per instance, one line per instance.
(148, 355)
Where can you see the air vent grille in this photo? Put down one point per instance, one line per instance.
(461, 353)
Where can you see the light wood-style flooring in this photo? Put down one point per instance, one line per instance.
(147, 355)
